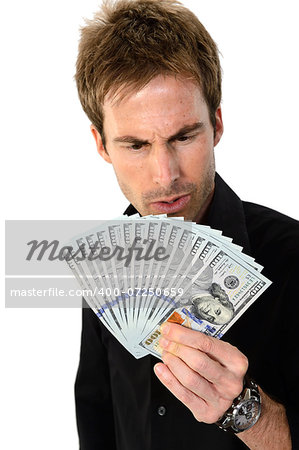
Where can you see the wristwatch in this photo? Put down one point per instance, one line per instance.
(245, 410)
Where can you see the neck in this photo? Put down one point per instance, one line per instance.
(202, 215)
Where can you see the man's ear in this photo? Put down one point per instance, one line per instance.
(218, 126)
(99, 142)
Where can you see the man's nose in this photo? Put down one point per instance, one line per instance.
(165, 165)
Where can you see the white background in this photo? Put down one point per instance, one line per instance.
(52, 170)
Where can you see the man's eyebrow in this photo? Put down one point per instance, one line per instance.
(197, 126)
(130, 139)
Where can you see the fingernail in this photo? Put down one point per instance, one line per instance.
(163, 342)
(164, 328)
(158, 369)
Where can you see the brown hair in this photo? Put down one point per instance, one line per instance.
(129, 42)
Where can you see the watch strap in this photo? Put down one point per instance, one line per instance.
(250, 392)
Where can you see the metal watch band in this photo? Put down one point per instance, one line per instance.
(249, 394)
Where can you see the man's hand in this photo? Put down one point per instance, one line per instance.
(204, 373)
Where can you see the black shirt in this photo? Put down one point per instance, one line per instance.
(121, 404)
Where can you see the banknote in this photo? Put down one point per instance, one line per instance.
(214, 299)
(140, 272)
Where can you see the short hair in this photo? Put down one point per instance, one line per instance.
(129, 42)
(217, 292)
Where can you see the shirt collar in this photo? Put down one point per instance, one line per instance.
(225, 213)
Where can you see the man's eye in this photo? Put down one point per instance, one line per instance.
(185, 138)
(218, 312)
(136, 146)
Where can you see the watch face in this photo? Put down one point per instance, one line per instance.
(246, 414)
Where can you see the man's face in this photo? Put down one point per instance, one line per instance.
(160, 142)
(212, 310)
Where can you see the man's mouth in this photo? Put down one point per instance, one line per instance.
(169, 202)
(171, 205)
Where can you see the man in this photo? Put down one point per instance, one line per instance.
(149, 79)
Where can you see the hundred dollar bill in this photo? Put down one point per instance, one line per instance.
(170, 241)
(143, 278)
(224, 241)
(202, 280)
(152, 270)
(96, 302)
(179, 275)
(98, 273)
(178, 246)
(234, 286)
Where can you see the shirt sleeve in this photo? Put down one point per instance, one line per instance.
(94, 408)
(290, 362)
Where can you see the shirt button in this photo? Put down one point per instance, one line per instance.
(161, 410)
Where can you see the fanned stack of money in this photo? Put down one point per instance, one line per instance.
(139, 272)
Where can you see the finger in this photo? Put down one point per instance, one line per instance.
(198, 406)
(195, 383)
(199, 361)
(221, 351)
